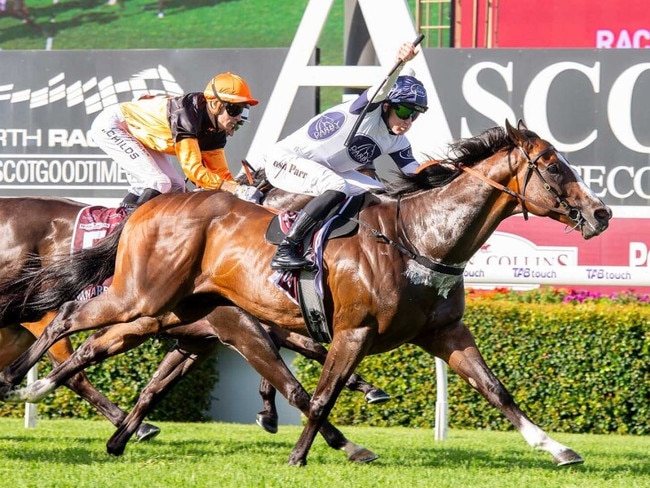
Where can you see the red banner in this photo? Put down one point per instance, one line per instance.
(565, 24)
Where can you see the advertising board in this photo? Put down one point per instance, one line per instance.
(591, 104)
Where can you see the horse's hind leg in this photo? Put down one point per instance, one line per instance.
(14, 340)
(457, 347)
(73, 316)
(81, 385)
(176, 363)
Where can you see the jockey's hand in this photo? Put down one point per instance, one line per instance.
(248, 193)
(407, 51)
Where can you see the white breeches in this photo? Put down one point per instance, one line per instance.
(291, 173)
(144, 167)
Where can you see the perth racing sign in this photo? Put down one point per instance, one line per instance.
(48, 100)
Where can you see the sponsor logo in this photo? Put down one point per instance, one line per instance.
(326, 125)
(363, 150)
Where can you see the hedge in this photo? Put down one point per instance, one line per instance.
(579, 367)
(121, 378)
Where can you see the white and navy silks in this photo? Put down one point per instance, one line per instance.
(314, 158)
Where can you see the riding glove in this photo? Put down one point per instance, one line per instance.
(248, 193)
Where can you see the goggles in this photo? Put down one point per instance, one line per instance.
(232, 109)
(404, 112)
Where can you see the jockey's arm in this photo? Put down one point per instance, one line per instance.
(207, 169)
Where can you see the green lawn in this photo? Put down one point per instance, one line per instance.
(86, 24)
(71, 453)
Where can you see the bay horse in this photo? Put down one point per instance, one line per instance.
(42, 227)
(398, 280)
(36, 231)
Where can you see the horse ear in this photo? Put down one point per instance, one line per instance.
(512, 132)
(521, 126)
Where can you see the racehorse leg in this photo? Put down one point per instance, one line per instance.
(101, 345)
(176, 363)
(268, 417)
(14, 340)
(73, 317)
(313, 350)
(456, 346)
(243, 333)
(348, 348)
(81, 385)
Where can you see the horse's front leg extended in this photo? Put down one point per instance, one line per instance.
(346, 352)
(311, 349)
(457, 347)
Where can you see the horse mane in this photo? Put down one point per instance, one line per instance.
(467, 151)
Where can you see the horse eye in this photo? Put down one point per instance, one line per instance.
(553, 168)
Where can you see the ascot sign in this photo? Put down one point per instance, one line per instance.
(587, 103)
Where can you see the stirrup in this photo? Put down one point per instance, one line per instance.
(298, 263)
(287, 258)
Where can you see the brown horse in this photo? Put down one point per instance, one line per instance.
(36, 231)
(42, 227)
(398, 280)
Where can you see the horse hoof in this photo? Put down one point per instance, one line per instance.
(146, 432)
(362, 456)
(268, 422)
(567, 458)
(114, 449)
(377, 396)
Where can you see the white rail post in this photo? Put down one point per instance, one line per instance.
(30, 408)
(441, 400)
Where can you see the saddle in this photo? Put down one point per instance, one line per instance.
(305, 287)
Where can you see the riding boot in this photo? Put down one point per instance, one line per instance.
(146, 195)
(129, 199)
(287, 256)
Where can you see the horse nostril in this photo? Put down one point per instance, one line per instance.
(603, 214)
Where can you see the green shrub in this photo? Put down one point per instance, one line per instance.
(572, 366)
(121, 379)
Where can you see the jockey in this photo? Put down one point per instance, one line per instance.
(140, 134)
(314, 160)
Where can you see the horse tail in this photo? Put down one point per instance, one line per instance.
(39, 290)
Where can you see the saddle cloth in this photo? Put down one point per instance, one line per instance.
(93, 224)
(339, 224)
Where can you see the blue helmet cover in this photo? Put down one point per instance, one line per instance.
(408, 89)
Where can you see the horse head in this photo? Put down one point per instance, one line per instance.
(547, 185)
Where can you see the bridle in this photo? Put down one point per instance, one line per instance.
(562, 206)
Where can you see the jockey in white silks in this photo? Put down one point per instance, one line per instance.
(315, 161)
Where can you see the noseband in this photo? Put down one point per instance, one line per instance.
(561, 207)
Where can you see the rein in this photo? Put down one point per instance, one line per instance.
(564, 208)
(406, 247)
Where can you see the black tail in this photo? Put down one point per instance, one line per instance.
(39, 290)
